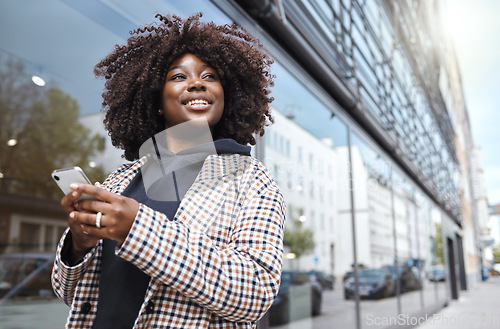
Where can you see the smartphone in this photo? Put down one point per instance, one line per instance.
(67, 176)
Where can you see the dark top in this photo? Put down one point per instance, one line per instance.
(122, 286)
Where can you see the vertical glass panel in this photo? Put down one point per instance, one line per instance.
(30, 237)
(312, 172)
(437, 272)
(374, 234)
(427, 251)
(47, 83)
(407, 244)
(424, 258)
(443, 282)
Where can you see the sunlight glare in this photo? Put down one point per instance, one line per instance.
(456, 21)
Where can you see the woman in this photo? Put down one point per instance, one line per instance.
(208, 256)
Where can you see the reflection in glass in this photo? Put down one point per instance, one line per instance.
(372, 192)
(299, 297)
(427, 252)
(440, 263)
(407, 240)
(46, 84)
(44, 125)
(306, 147)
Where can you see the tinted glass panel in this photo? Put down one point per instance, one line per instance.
(373, 199)
(49, 119)
(307, 154)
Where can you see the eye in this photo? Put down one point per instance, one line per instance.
(177, 77)
(210, 76)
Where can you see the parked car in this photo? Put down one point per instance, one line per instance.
(408, 280)
(495, 270)
(26, 297)
(298, 297)
(327, 281)
(373, 283)
(347, 276)
(437, 274)
(25, 276)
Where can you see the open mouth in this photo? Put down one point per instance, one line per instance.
(198, 104)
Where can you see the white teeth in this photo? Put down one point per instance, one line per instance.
(197, 102)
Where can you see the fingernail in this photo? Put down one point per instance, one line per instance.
(74, 186)
(71, 215)
(74, 194)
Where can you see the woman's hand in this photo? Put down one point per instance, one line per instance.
(81, 242)
(116, 219)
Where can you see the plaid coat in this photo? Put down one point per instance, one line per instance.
(216, 265)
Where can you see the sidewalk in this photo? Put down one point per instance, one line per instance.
(477, 308)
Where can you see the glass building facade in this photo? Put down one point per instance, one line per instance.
(364, 148)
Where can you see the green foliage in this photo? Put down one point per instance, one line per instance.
(299, 239)
(496, 255)
(360, 266)
(438, 242)
(49, 136)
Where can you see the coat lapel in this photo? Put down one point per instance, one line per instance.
(203, 200)
(119, 185)
(201, 205)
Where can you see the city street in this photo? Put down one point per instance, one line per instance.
(476, 308)
(40, 314)
(340, 313)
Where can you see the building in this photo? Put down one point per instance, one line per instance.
(371, 146)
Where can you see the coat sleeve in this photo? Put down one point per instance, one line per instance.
(66, 277)
(238, 281)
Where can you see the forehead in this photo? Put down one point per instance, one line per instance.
(188, 60)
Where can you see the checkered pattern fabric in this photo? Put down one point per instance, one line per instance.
(216, 265)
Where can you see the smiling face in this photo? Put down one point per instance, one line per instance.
(192, 91)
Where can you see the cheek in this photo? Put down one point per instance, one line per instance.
(169, 93)
(222, 100)
(217, 114)
(221, 109)
(163, 99)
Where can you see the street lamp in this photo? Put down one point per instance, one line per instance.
(38, 80)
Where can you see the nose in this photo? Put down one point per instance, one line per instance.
(196, 84)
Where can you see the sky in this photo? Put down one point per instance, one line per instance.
(475, 28)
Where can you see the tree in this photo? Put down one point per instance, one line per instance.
(44, 123)
(299, 239)
(438, 243)
(496, 255)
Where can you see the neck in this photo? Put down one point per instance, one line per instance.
(188, 134)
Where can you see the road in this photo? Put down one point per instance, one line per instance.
(40, 314)
(375, 314)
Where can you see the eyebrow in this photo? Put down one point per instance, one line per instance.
(182, 67)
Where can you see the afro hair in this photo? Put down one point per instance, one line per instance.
(135, 74)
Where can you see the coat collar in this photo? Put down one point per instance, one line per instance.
(207, 193)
